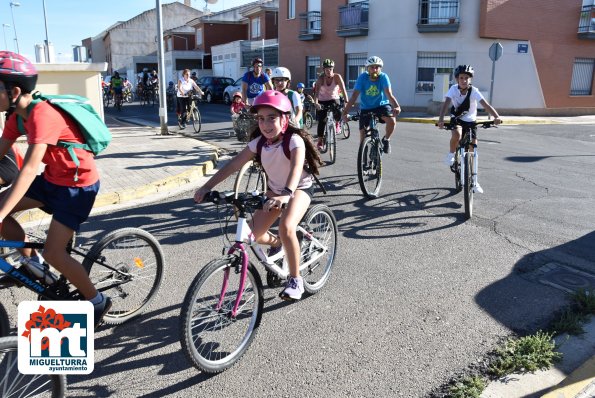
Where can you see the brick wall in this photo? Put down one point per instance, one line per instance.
(551, 27)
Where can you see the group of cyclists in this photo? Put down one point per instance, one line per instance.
(284, 149)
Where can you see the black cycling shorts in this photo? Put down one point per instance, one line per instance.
(8, 169)
(384, 110)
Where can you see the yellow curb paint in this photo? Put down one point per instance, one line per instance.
(576, 382)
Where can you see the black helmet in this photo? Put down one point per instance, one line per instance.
(16, 70)
(328, 63)
(466, 69)
(256, 61)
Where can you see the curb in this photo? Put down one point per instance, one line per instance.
(159, 186)
(579, 384)
(505, 122)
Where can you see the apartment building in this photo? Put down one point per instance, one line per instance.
(546, 65)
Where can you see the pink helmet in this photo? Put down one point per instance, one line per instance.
(274, 99)
(237, 94)
(18, 71)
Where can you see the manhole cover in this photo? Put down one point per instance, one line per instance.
(566, 278)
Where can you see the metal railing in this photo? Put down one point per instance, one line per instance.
(587, 21)
(353, 16)
(310, 23)
(438, 12)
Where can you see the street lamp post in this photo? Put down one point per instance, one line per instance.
(4, 26)
(16, 40)
(47, 40)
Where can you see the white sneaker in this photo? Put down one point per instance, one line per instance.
(477, 188)
(449, 159)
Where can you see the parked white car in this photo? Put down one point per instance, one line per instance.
(230, 90)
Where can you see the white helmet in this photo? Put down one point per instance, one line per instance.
(281, 72)
(374, 60)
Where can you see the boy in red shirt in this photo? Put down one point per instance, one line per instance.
(55, 191)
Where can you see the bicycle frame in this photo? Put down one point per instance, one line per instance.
(244, 236)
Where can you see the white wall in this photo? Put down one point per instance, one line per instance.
(393, 36)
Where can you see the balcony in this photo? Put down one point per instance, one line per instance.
(310, 25)
(586, 25)
(438, 16)
(353, 19)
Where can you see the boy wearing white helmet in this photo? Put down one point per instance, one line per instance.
(281, 78)
(376, 98)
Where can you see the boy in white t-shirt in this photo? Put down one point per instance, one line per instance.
(456, 97)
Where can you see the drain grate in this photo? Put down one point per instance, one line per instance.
(563, 277)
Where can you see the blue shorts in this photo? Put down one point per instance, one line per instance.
(70, 206)
(384, 110)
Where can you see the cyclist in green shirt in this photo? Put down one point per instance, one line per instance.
(117, 84)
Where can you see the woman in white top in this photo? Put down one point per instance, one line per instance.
(185, 86)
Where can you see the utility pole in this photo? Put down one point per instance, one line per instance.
(161, 66)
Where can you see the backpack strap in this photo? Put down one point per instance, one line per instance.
(464, 105)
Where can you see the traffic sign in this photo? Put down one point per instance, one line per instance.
(495, 51)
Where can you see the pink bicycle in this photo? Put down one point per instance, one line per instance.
(223, 307)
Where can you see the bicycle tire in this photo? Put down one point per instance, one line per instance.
(135, 252)
(13, 383)
(4, 322)
(468, 186)
(345, 130)
(196, 122)
(251, 177)
(369, 167)
(207, 328)
(331, 143)
(321, 223)
(308, 120)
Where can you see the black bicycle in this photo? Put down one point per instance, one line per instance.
(369, 158)
(466, 162)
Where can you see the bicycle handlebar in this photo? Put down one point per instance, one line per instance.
(245, 200)
(483, 123)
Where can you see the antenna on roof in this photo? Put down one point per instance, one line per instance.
(206, 8)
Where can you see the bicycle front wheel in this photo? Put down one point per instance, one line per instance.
(196, 122)
(211, 336)
(331, 143)
(369, 167)
(250, 178)
(127, 265)
(345, 130)
(319, 249)
(456, 168)
(468, 185)
(308, 120)
(15, 384)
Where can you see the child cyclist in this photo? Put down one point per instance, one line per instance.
(456, 96)
(282, 80)
(55, 191)
(288, 181)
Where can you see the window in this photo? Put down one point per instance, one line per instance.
(582, 76)
(290, 9)
(255, 28)
(356, 65)
(430, 63)
(436, 12)
(312, 64)
(199, 36)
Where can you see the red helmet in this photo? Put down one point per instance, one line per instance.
(237, 94)
(274, 99)
(17, 70)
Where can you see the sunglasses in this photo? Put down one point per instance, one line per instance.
(259, 65)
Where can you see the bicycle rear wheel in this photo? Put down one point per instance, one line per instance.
(331, 143)
(195, 118)
(369, 167)
(468, 185)
(212, 338)
(127, 265)
(15, 384)
(345, 130)
(320, 222)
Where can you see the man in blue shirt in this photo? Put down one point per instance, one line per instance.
(255, 82)
(376, 98)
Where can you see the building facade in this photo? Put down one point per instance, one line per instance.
(546, 66)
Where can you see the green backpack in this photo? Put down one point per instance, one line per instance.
(96, 134)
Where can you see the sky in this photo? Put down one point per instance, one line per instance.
(71, 21)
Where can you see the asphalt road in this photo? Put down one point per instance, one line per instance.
(417, 294)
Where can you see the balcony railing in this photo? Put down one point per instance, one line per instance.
(438, 16)
(586, 25)
(310, 25)
(353, 19)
